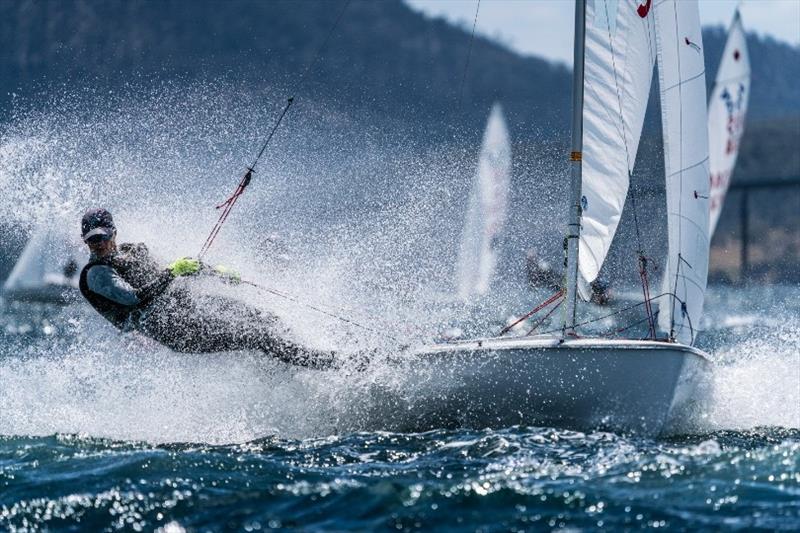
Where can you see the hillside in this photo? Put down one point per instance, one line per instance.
(384, 59)
(386, 65)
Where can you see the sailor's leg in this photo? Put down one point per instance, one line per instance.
(291, 353)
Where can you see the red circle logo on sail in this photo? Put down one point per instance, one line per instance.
(644, 9)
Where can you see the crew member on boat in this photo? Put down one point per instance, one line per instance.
(129, 289)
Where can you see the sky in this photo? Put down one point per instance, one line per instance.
(544, 27)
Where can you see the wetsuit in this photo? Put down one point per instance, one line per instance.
(132, 292)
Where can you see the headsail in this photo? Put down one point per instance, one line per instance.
(486, 213)
(619, 59)
(727, 108)
(681, 69)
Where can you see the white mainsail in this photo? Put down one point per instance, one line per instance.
(618, 71)
(727, 108)
(48, 265)
(681, 69)
(486, 213)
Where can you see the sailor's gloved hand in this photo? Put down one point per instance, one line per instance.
(185, 266)
(228, 273)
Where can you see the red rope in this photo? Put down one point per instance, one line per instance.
(228, 206)
(535, 310)
(646, 292)
(545, 317)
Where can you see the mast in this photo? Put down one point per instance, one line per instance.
(574, 227)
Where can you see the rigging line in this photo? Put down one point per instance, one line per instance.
(631, 185)
(322, 46)
(636, 218)
(245, 181)
(545, 317)
(289, 103)
(303, 77)
(619, 97)
(629, 326)
(680, 158)
(469, 54)
(624, 133)
(535, 310)
(296, 300)
(620, 311)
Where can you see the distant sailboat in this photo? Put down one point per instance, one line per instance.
(727, 109)
(486, 213)
(47, 270)
(585, 382)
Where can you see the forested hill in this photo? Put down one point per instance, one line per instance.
(385, 59)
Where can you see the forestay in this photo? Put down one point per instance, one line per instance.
(681, 71)
(726, 116)
(619, 59)
(486, 213)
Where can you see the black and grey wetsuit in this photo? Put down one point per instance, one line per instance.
(132, 292)
(123, 285)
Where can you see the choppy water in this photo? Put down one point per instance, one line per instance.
(101, 431)
(105, 433)
(511, 479)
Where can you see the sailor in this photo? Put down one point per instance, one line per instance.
(539, 272)
(129, 289)
(600, 292)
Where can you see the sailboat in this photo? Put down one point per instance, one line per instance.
(47, 270)
(566, 379)
(486, 213)
(727, 109)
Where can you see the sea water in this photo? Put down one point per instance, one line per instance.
(103, 431)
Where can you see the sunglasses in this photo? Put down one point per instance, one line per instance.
(97, 239)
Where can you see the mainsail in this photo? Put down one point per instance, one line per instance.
(727, 108)
(681, 69)
(47, 267)
(486, 213)
(618, 70)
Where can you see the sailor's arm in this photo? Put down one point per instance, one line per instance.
(104, 280)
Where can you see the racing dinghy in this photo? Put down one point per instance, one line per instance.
(727, 109)
(564, 378)
(486, 213)
(47, 270)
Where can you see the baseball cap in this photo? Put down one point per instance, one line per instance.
(97, 225)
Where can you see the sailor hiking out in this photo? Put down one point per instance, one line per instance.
(126, 285)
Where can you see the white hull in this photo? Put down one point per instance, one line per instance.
(582, 384)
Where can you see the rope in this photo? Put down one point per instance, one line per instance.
(620, 311)
(545, 317)
(469, 54)
(296, 300)
(629, 326)
(632, 187)
(228, 204)
(535, 310)
(646, 292)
